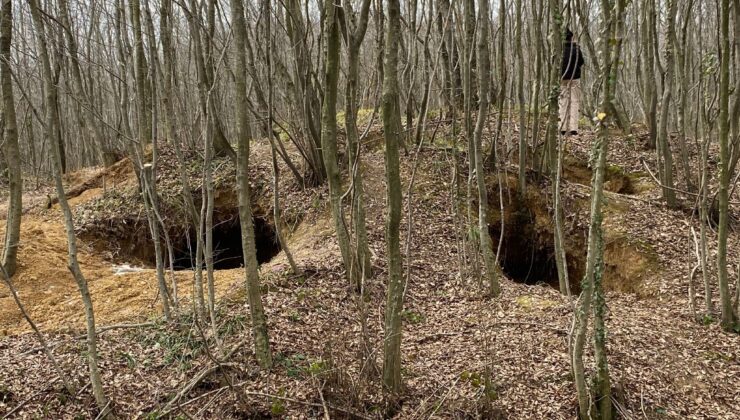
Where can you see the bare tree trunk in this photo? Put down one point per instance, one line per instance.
(598, 406)
(553, 146)
(89, 123)
(683, 53)
(259, 321)
(147, 171)
(329, 141)
(11, 150)
(391, 113)
(704, 136)
(469, 54)
(51, 130)
(304, 92)
(650, 97)
(452, 89)
(536, 160)
(728, 315)
(273, 146)
(150, 204)
(664, 146)
(144, 121)
(518, 35)
(484, 64)
(502, 82)
(206, 215)
(354, 36)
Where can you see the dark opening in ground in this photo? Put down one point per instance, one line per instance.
(527, 239)
(227, 245)
(528, 250)
(525, 256)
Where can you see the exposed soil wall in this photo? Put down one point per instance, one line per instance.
(527, 253)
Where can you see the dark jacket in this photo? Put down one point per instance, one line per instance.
(570, 69)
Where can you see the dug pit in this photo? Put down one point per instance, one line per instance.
(227, 245)
(527, 251)
(134, 244)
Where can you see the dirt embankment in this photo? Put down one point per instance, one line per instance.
(112, 231)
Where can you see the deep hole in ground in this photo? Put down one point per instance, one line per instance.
(527, 249)
(227, 245)
(527, 243)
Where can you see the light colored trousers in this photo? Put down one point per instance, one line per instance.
(570, 104)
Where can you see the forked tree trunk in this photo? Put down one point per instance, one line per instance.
(304, 93)
(329, 140)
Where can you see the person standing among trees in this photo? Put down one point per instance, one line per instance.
(570, 85)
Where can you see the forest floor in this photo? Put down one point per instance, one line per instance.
(663, 363)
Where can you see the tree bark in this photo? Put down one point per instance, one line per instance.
(11, 149)
(663, 140)
(391, 113)
(354, 36)
(598, 406)
(259, 321)
(329, 140)
(484, 64)
(728, 315)
(52, 132)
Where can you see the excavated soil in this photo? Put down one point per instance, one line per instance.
(112, 232)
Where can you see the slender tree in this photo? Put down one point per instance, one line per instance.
(354, 33)
(669, 193)
(391, 113)
(484, 65)
(728, 315)
(521, 100)
(52, 131)
(329, 139)
(554, 142)
(254, 295)
(11, 149)
(596, 403)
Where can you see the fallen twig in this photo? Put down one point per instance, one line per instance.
(24, 402)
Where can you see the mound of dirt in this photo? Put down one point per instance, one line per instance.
(112, 229)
